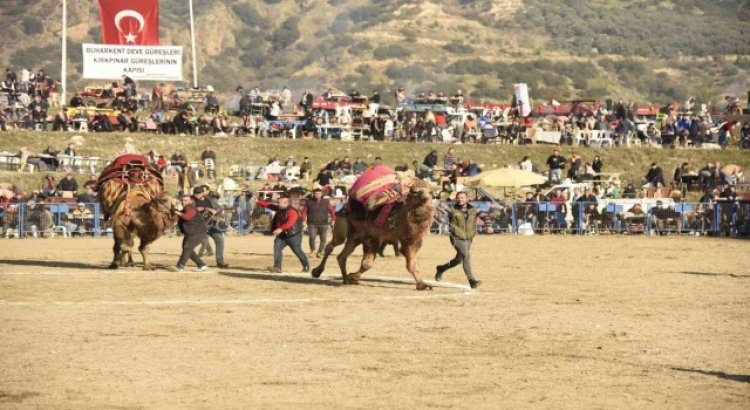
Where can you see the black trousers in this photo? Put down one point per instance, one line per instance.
(189, 242)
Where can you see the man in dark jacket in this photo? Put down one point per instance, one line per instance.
(315, 214)
(463, 225)
(287, 228)
(654, 177)
(209, 207)
(193, 228)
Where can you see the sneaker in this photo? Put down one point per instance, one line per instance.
(306, 268)
(176, 268)
(274, 269)
(222, 265)
(439, 273)
(202, 268)
(475, 283)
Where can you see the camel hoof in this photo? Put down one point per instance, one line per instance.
(423, 286)
(353, 278)
(113, 265)
(317, 272)
(148, 267)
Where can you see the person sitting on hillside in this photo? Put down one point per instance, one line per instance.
(654, 177)
(421, 171)
(48, 185)
(220, 125)
(431, 159)
(653, 135)
(61, 121)
(526, 164)
(68, 184)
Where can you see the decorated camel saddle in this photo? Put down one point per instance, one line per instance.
(129, 174)
(375, 196)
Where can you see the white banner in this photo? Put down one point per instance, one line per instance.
(111, 62)
(521, 91)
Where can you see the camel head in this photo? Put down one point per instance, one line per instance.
(164, 204)
(419, 196)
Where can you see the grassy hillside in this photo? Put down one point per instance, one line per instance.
(631, 162)
(650, 51)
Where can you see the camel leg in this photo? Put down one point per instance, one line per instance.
(351, 243)
(370, 247)
(410, 252)
(340, 230)
(143, 248)
(128, 245)
(116, 250)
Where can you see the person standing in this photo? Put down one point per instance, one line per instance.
(315, 214)
(463, 226)
(179, 163)
(287, 229)
(193, 228)
(556, 164)
(209, 207)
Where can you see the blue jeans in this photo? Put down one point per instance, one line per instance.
(294, 242)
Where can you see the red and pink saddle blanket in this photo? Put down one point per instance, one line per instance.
(131, 169)
(373, 182)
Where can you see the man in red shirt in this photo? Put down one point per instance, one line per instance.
(193, 228)
(287, 228)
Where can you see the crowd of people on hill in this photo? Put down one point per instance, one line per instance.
(26, 99)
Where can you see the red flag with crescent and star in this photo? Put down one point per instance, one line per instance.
(130, 22)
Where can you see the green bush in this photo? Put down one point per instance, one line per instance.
(458, 47)
(390, 51)
(32, 25)
(474, 66)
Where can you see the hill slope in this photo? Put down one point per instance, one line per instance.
(650, 51)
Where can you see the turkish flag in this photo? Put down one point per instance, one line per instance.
(130, 22)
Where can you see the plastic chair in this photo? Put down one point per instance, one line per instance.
(60, 229)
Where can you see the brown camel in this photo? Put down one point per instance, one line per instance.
(131, 193)
(142, 217)
(407, 225)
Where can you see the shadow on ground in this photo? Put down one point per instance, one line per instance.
(742, 378)
(53, 264)
(731, 275)
(335, 282)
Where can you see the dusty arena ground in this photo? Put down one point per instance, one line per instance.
(560, 322)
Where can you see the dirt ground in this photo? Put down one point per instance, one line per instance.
(560, 322)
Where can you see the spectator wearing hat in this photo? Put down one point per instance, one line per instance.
(315, 214)
(287, 230)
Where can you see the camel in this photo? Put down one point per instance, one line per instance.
(142, 217)
(407, 225)
(131, 194)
